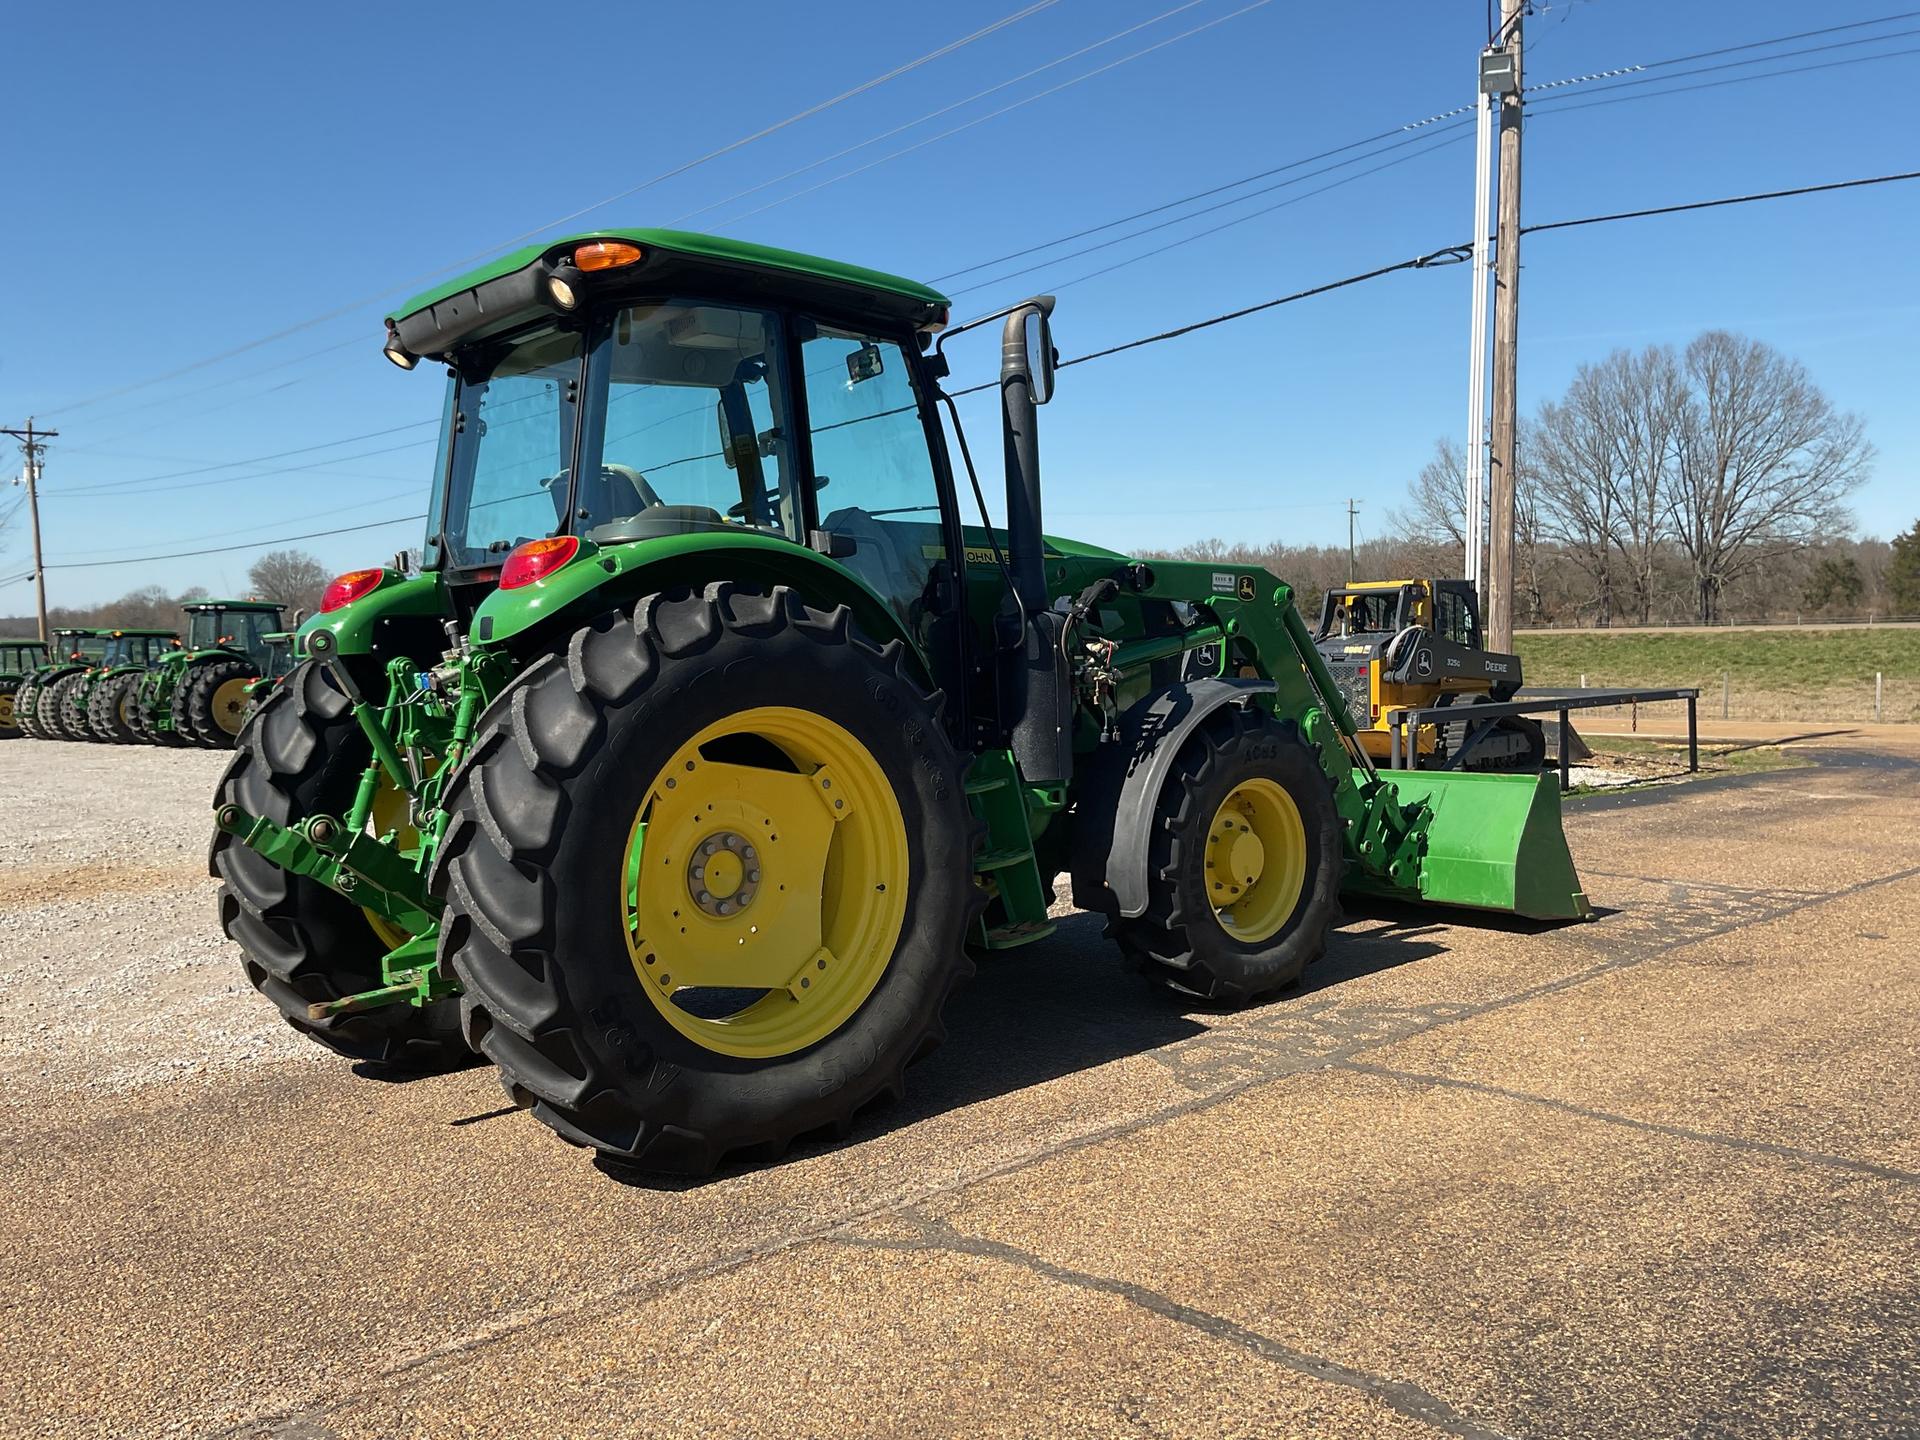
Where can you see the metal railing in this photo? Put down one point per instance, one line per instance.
(1481, 720)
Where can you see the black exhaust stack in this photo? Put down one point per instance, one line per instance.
(1041, 727)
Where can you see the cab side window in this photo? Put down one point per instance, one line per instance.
(873, 477)
(1453, 620)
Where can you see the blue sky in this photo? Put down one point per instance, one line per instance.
(187, 180)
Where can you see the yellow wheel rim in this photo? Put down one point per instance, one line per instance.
(6, 710)
(389, 816)
(1256, 854)
(764, 884)
(230, 705)
(123, 708)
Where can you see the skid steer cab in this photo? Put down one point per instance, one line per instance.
(713, 742)
(1406, 644)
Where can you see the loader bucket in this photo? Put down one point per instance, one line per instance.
(1494, 842)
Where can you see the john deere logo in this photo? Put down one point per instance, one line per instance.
(1246, 589)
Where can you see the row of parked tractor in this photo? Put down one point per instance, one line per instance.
(140, 686)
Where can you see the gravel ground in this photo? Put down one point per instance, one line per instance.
(115, 974)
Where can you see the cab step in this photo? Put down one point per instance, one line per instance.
(1009, 937)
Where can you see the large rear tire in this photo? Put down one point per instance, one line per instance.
(110, 708)
(213, 701)
(301, 942)
(75, 712)
(52, 706)
(26, 708)
(1244, 864)
(612, 827)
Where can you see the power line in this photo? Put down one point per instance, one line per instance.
(948, 109)
(938, 53)
(1446, 255)
(1726, 200)
(1561, 107)
(995, 114)
(245, 545)
(146, 480)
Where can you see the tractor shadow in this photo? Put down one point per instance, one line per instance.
(1060, 1006)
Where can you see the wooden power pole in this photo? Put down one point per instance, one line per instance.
(31, 447)
(1506, 333)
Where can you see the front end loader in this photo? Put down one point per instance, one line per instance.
(714, 743)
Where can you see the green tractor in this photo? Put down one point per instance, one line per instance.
(74, 651)
(711, 745)
(18, 660)
(198, 694)
(98, 703)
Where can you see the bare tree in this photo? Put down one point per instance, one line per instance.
(1649, 404)
(1577, 463)
(1437, 500)
(292, 577)
(1763, 465)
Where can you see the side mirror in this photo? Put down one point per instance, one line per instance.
(1039, 339)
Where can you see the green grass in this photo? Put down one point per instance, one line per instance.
(1773, 674)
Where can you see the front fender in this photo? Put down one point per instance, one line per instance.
(1122, 784)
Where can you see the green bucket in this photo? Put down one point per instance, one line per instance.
(1494, 842)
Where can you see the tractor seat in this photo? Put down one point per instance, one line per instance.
(658, 520)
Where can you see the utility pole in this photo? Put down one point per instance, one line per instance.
(1353, 507)
(31, 447)
(1506, 334)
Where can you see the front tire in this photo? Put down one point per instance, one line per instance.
(301, 942)
(1244, 864)
(26, 708)
(565, 919)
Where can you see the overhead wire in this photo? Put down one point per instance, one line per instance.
(809, 112)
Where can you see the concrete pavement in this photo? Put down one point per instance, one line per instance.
(1657, 1174)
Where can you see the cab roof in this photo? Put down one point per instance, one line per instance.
(690, 245)
(193, 606)
(147, 634)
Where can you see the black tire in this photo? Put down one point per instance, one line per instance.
(75, 715)
(300, 941)
(10, 691)
(52, 706)
(138, 721)
(1179, 941)
(213, 713)
(109, 708)
(540, 819)
(26, 708)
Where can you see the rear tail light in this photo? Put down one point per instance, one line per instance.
(350, 587)
(537, 559)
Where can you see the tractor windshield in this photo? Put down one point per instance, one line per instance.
(511, 428)
(88, 648)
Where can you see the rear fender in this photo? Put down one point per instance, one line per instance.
(400, 616)
(1121, 785)
(535, 616)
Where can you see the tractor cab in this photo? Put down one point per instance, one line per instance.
(21, 657)
(137, 649)
(241, 626)
(82, 647)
